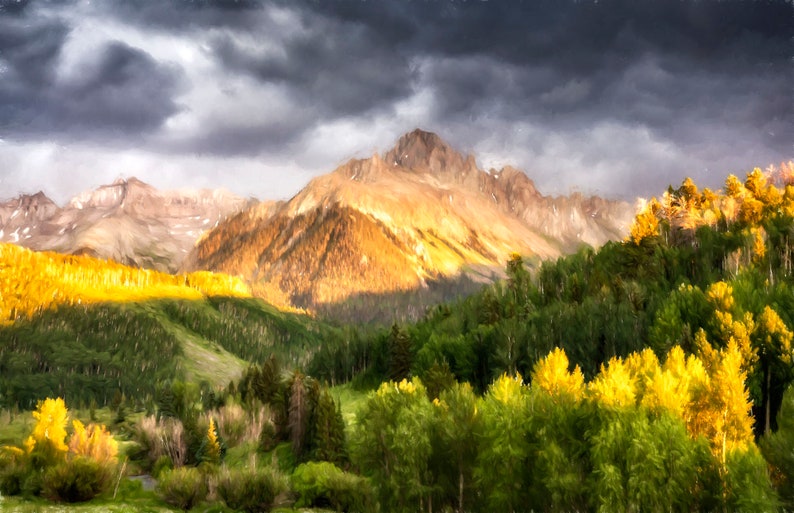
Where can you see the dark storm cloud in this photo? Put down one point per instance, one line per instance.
(116, 90)
(642, 87)
(333, 67)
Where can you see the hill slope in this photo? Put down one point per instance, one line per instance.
(83, 328)
(420, 213)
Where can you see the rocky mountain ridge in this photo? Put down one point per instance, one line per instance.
(128, 221)
(419, 213)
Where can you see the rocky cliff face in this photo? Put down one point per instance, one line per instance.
(421, 212)
(127, 221)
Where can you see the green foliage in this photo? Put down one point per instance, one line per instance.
(777, 449)
(400, 354)
(326, 485)
(183, 487)
(503, 462)
(643, 463)
(746, 483)
(91, 351)
(438, 378)
(328, 430)
(77, 480)
(251, 490)
(391, 443)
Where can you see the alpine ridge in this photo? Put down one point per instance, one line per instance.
(419, 215)
(128, 221)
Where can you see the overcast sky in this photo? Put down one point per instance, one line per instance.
(615, 97)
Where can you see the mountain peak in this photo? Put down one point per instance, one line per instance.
(423, 150)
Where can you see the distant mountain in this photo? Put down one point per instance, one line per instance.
(419, 214)
(127, 221)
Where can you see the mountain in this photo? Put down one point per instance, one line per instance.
(419, 214)
(128, 221)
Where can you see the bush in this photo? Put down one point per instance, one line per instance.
(251, 490)
(77, 480)
(163, 464)
(183, 488)
(155, 439)
(12, 479)
(322, 484)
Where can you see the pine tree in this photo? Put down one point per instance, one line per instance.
(328, 431)
(401, 356)
(298, 413)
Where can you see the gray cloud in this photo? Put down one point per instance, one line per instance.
(118, 90)
(618, 96)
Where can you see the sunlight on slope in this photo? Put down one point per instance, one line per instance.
(32, 281)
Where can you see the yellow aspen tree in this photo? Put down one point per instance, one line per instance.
(722, 408)
(646, 223)
(643, 367)
(50, 429)
(551, 375)
(614, 386)
(94, 442)
(773, 345)
(213, 453)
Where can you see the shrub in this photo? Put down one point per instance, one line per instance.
(159, 438)
(322, 484)
(13, 470)
(183, 487)
(12, 479)
(251, 490)
(268, 437)
(163, 464)
(77, 480)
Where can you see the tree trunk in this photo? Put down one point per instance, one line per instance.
(768, 399)
(460, 491)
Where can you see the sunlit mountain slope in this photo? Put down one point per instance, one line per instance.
(400, 221)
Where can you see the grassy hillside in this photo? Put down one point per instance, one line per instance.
(88, 329)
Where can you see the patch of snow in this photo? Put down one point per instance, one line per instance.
(14, 214)
(26, 230)
(206, 221)
(2, 233)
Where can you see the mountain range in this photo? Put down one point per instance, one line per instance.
(128, 221)
(419, 218)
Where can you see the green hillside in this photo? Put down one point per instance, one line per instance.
(87, 329)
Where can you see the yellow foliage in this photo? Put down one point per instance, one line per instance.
(644, 367)
(406, 387)
(720, 294)
(213, 446)
(775, 336)
(507, 389)
(51, 416)
(614, 385)
(722, 408)
(646, 223)
(94, 442)
(551, 375)
(33, 281)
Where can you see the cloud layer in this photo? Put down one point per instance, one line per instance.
(618, 97)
